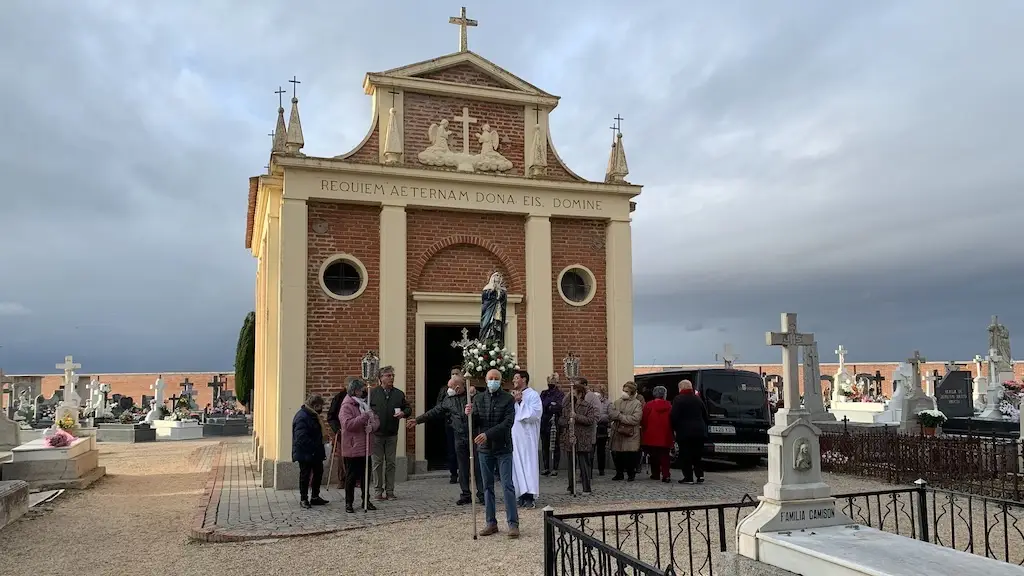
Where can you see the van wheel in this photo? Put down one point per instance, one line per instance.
(748, 461)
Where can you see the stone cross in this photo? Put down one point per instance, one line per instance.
(69, 366)
(216, 384)
(463, 23)
(932, 379)
(915, 364)
(993, 366)
(158, 391)
(186, 388)
(791, 341)
(842, 352)
(978, 360)
(728, 356)
(466, 121)
(94, 391)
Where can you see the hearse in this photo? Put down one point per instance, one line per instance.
(738, 405)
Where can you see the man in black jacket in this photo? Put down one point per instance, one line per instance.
(308, 450)
(689, 417)
(390, 405)
(494, 413)
(452, 408)
(449, 433)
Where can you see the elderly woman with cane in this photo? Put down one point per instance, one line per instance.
(358, 423)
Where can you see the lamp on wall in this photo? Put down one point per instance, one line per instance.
(370, 366)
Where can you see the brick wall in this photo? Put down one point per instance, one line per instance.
(137, 385)
(339, 333)
(456, 252)
(582, 330)
(465, 74)
(556, 170)
(369, 152)
(422, 110)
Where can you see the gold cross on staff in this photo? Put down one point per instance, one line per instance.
(463, 23)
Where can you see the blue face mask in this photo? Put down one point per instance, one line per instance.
(493, 385)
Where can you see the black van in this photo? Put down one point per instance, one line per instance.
(738, 405)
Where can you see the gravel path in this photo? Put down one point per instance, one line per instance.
(136, 521)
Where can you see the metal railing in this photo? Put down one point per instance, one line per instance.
(687, 540)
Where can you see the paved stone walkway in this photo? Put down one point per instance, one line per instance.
(235, 507)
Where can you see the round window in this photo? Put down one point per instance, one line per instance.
(576, 285)
(343, 278)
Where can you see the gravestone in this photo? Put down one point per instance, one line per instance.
(953, 395)
(814, 403)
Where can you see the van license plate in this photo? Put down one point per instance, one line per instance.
(722, 429)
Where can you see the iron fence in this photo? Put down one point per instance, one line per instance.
(982, 465)
(687, 540)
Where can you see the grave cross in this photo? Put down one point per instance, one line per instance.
(932, 379)
(915, 364)
(791, 341)
(466, 121)
(842, 352)
(174, 401)
(877, 379)
(216, 384)
(463, 23)
(186, 388)
(728, 356)
(951, 366)
(978, 360)
(465, 340)
(69, 366)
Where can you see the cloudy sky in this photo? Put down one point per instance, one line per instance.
(860, 163)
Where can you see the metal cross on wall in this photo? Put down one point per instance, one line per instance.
(463, 23)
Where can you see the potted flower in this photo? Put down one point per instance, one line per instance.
(930, 420)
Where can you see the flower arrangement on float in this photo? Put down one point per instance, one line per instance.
(478, 358)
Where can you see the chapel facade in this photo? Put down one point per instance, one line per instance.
(386, 248)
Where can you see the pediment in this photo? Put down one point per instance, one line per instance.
(466, 68)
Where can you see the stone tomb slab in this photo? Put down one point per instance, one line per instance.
(226, 427)
(13, 501)
(954, 395)
(177, 430)
(126, 433)
(75, 466)
(853, 550)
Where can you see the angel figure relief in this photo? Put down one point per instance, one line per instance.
(489, 160)
(438, 153)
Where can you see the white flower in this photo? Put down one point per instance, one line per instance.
(474, 351)
(493, 362)
(469, 366)
(516, 367)
(479, 368)
(480, 358)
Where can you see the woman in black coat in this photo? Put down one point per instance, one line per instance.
(308, 450)
(690, 419)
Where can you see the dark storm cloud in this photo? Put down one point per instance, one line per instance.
(857, 163)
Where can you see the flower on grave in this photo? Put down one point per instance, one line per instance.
(1010, 400)
(66, 423)
(127, 417)
(931, 418)
(60, 439)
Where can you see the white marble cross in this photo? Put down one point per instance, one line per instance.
(728, 355)
(842, 352)
(791, 341)
(931, 379)
(69, 366)
(94, 390)
(915, 364)
(466, 121)
(978, 363)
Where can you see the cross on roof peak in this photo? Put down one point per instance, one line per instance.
(280, 101)
(295, 84)
(463, 23)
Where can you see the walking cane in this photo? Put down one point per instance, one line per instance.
(572, 435)
(330, 460)
(472, 465)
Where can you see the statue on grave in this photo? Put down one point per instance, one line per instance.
(999, 340)
(493, 301)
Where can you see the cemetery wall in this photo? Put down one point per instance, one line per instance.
(138, 385)
(455, 252)
(582, 330)
(340, 332)
(887, 369)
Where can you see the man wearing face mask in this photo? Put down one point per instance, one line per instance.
(493, 413)
(551, 399)
(453, 409)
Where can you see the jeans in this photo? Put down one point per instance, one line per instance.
(311, 475)
(462, 453)
(356, 472)
(545, 448)
(384, 448)
(503, 462)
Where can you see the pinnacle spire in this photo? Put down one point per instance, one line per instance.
(294, 142)
(280, 131)
(393, 140)
(617, 167)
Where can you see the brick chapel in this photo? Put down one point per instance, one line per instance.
(387, 247)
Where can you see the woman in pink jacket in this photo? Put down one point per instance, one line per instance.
(358, 423)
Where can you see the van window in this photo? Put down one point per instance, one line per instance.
(734, 395)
